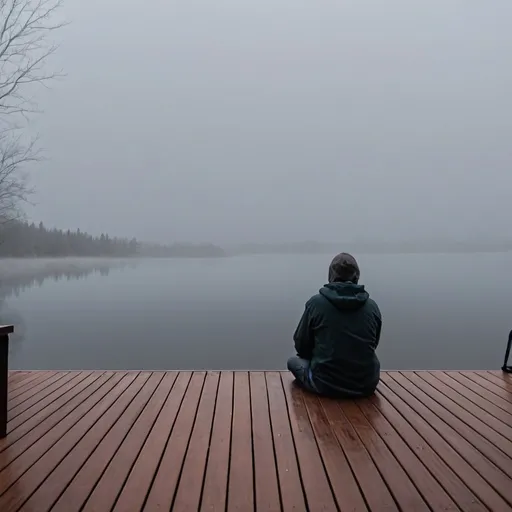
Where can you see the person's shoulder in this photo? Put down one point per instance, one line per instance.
(314, 301)
(373, 307)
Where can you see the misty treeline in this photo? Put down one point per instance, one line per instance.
(27, 240)
(21, 239)
(180, 250)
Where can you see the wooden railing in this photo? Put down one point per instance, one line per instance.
(5, 330)
(506, 368)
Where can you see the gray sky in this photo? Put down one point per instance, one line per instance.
(234, 121)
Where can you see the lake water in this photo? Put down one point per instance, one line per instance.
(439, 311)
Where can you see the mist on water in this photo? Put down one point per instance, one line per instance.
(271, 122)
(204, 161)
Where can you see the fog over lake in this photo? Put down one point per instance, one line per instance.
(439, 311)
(161, 125)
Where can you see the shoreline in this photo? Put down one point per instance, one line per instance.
(112, 260)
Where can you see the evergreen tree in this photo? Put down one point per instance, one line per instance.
(21, 239)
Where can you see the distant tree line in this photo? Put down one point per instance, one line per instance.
(181, 251)
(27, 240)
(21, 239)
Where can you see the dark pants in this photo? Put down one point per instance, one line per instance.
(300, 369)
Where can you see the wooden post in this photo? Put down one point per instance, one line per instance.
(5, 330)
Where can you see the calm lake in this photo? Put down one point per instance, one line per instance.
(439, 311)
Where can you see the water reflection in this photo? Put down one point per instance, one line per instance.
(240, 313)
(17, 276)
(15, 281)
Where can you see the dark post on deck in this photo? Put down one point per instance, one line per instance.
(5, 330)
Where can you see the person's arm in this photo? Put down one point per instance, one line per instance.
(378, 319)
(304, 336)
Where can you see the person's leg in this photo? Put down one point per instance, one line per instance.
(300, 369)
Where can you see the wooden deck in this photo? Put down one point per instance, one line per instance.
(130, 441)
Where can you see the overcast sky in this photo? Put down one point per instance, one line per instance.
(257, 120)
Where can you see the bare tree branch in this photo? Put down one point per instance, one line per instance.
(14, 187)
(25, 46)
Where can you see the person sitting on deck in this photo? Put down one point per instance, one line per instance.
(337, 336)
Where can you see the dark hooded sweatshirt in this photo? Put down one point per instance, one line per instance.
(339, 332)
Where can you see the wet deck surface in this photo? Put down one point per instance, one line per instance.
(130, 441)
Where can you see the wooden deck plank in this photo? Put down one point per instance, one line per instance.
(417, 470)
(495, 430)
(26, 386)
(32, 376)
(132, 441)
(17, 376)
(14, 373)
(465, 425)
(483, 415)
(41, 438)
(500, 381)
(24, 452)
(35, 393)
(19, 459)
(401, 487)
(217, 469)
(14, 377)
(343, 483)
(318, 492)
(494, 412)
(92, 474)
(506, 377)
(292, 494)
(136, 488)
(266, 490)
(404, 420)
(31, 408)
(490, 386)
(114, 402)
(102, 440)
(188, 494)
(482, 391)
(164, 486)
(54, 411)
(241, 478)
(128, 446)
(47, 390)
(448, 444)
(375, 490)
